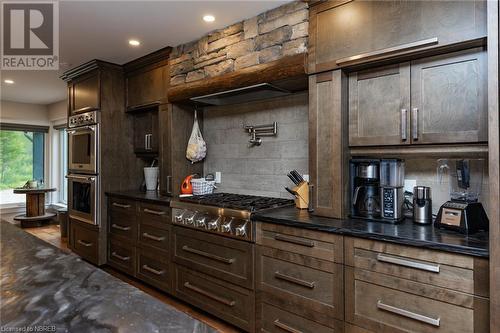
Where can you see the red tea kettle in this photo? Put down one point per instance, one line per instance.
(186, 186)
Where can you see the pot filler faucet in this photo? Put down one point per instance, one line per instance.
(256, 132)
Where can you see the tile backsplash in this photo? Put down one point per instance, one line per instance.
(424, 171)
(258, 170)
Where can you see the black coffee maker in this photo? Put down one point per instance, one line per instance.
(365, 188)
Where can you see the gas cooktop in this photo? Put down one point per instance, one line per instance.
(251, 203)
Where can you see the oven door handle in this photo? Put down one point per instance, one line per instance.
(89, 178)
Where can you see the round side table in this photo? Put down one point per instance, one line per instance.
(35, 207)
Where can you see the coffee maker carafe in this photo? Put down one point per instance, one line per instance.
(365, 189)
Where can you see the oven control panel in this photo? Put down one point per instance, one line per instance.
(83, 119)
(229, 226)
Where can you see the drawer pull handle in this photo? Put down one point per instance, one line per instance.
(84, 243)
(120, 227)
(298, 241)
(152, 270)
(208, 294)
(154, 212)
(408, 263)
(285, 327)
(116, 204)
(389, 50)
(153, 237)
(122, 258)
(208, 255)
(408, 314)
(292, 279)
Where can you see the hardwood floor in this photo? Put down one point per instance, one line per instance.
(51, 234)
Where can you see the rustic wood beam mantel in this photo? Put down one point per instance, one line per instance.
(283, 69)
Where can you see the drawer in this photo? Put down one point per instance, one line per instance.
(314, 244)
(153, 268)
(122, 205)
(122, 224)
(151, 236)
(308, 288)
(273, 319)
(454, 271)
(121, 256)
(380, 303)
(154, 215)
(85, 242)
(221, 257)
(234, 304)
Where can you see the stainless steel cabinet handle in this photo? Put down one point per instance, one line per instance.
(208, 294)
(293, 240)
(408, 263)
(116, 204)
(155, 238)
(285, 327)
(116, 255)
(292, 279)
(169, 184)
(389, 50)
(154, 212)
(409, 314)
(208, 255)
(414, 120)
(404, 135)
(152, 270)
(146, 141)
(84, 243)
(120, 227)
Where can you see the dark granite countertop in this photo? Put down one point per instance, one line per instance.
(44, 286)
(148, 196)
(406, 233)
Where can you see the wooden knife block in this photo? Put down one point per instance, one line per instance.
(302, 198)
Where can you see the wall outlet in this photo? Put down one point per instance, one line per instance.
(218, 177)
(410, 184)
(306, 178)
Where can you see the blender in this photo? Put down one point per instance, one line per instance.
(463, 212)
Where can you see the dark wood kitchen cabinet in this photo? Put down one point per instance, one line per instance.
(434, 100)
(379, 103)
(146, 131)
(146, 80)
(84, 240)
(396, 288)
(299, 275)
(84, 93)
(328, 155)
(344, 33)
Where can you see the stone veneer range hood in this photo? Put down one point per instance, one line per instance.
(278, 78)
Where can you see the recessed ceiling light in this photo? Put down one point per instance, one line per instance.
(8, 81)
(134, 42)
(208, 18)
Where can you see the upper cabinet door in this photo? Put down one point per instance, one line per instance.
(449, 98)
(343, 33)
(85, 93)
(379, 106)
(146, 86)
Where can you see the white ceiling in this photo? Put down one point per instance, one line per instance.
(101, 30)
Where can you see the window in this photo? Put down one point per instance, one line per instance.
(22, 153)
(63, 167)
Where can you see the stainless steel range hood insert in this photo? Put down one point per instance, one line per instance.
(245, 94)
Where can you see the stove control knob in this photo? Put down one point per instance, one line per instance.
(214, 224)
(226, 227)
(179, 217)
(241, 230)
(190, 220)
(200, 223)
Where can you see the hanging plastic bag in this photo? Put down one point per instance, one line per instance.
(197, 148)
